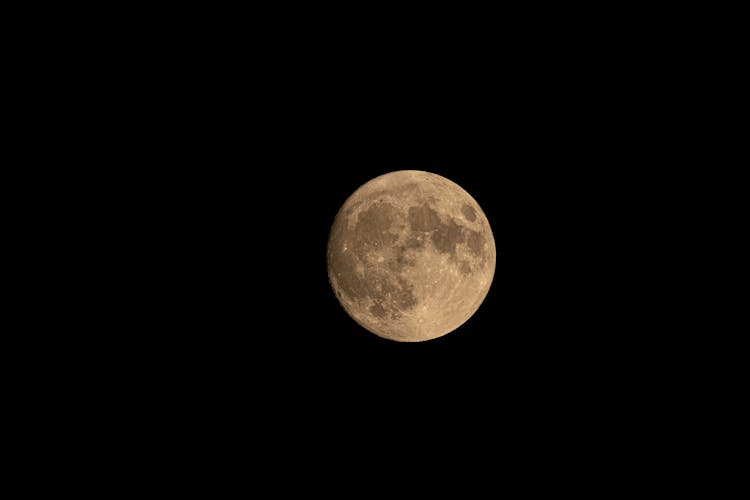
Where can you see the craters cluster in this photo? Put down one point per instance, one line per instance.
(391, 296)
(368, 270)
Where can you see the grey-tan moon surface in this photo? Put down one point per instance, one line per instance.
(410, 256)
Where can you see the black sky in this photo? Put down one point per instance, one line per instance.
(205, 155)
(560, 359)
(534, 142)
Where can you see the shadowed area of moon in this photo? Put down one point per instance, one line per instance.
(411, 256)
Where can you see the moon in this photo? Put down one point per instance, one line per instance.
(410, 256)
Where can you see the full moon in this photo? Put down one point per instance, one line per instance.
(410, 256)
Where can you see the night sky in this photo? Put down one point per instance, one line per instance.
(560, 360)
(183, 166)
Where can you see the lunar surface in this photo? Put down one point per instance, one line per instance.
(410, 256)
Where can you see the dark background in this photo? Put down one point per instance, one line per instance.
(568, 362)
(197, 163)
(537, 141)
